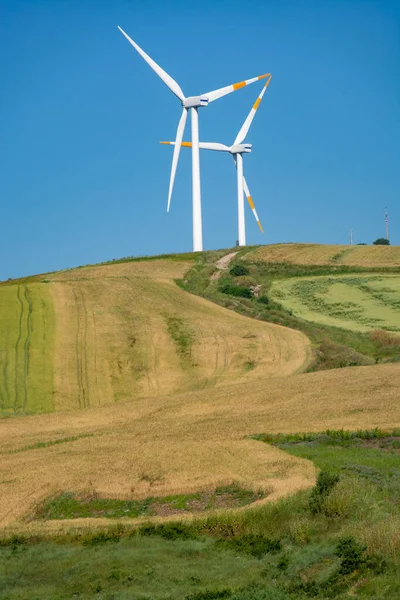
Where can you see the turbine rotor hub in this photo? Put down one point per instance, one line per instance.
(195, 101)
(240, 148)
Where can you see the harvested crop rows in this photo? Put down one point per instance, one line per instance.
(357, 302)
(186, 442)
(99, 335)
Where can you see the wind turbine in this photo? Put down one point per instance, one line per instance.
(191, 103)
(237, 150)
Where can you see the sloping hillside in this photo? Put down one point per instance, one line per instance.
(99, 335)
(325, 254)
(188, 441)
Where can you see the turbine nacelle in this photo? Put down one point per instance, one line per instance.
(195, 101)
(240, 148)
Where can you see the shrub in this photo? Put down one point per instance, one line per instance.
(239, 270)
(255, 545)
(384, 338)
(381, 242)
(330, 355)
(325, 483)
(210, 595)
(263, 300)
(351, 554)
(113, 534)
(169, 531)
(236, 290)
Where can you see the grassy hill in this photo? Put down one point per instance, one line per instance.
(349, 312)
(162, 404)
(98, 335)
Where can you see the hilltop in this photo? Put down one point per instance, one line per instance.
(325, 254)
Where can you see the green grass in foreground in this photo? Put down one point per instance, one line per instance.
(346, 545)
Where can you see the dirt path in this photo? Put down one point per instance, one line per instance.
(222, 264)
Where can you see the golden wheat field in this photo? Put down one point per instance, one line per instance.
(155, 390)
(318, 254)
(98, 335)
(188, 441)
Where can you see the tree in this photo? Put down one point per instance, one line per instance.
(381, 242)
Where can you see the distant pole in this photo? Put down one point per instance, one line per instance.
(351, 237)
(387, 224)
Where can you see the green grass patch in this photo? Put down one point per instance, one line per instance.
(182, 336)
(362, 302)
(67, 505)
(39, 445)
(27, 325)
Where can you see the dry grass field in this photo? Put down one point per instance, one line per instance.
(155, 391)
(318, 254)
(186, 442)
(99, 335)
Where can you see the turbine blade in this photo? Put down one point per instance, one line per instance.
(167, 79)
(250, 201)
(246, 125)
(203, 146)
(215, 94)
(178, 143)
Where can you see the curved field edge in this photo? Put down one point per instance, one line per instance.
(125, 330)
(199, 438)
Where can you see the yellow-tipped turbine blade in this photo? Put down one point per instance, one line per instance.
(215, 94)
(250, 201)
(249, 119)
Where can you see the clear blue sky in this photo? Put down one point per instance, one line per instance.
(83, 178)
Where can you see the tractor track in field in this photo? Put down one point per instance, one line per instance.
(19, 338)
(77, 359)
(27, 344)
(84, 351)
(81, 353)
(6, 400)
(95, 353)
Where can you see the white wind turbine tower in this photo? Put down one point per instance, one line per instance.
(190, 103)
(237, 150)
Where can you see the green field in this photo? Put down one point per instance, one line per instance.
(358, 302)
(27, 326)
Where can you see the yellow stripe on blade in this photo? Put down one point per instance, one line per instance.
(257, 103)
(266, 75)
(260, 226)
(165, 142)
(250, 199)
(237, 86)
(187, 144)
